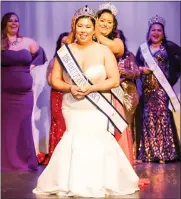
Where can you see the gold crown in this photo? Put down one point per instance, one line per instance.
(110, 7)
(156, 19)
(85, 11)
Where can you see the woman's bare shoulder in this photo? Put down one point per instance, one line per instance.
(105, 50)
(102, 47)
(29, 40)
(71, 45)
(33, 45)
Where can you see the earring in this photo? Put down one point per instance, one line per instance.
(94, 37)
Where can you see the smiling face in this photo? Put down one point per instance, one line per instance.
(84, 30)
(106, 23)
(12, 26)
(156, 33)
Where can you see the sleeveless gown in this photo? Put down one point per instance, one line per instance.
(88, 161)
(17, 146)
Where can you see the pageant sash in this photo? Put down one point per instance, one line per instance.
(160, 77)
(70, 65)
(118, 92)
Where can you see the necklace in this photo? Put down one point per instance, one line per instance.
(155, 48)
(156, 45)
(13, 43)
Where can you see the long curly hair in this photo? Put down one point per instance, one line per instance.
(4, 39)
(113, 34)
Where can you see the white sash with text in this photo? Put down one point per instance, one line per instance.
(160, 77)
(70, 65)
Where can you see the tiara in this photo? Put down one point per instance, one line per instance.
(110, 7)
(156, 19)
(85, 11)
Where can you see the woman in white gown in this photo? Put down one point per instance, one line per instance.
(87, 162)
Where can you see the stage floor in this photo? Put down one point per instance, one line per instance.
(164, 182)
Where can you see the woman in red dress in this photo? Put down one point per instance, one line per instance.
(57, 127)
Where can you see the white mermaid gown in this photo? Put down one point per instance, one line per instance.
(87, 162)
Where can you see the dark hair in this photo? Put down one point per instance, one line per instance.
(81, 17)
(59, 41)
(164, 40)
(85, 16)
(113, 34)
(4, 21)
(123, 38)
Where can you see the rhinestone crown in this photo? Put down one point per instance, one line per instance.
(85, 11)
(110, 7)
(156, 19)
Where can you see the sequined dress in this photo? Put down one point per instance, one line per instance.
(157, 126)
(57, 127)
(130, 100)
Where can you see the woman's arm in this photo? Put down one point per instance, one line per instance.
(37, 52)
(174, 56)
(115, 45)
(57, 77)
(140, 63)
(49, 72)
(33, 45)
(131, 72)
(134, 72)
(58, 83)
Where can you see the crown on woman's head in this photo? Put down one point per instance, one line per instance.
(85, 11)
(156, 19)
(110, 7)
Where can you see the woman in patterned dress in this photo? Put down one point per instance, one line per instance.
(158, 141)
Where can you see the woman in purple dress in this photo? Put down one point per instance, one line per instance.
(159, 140)
(18, 56)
